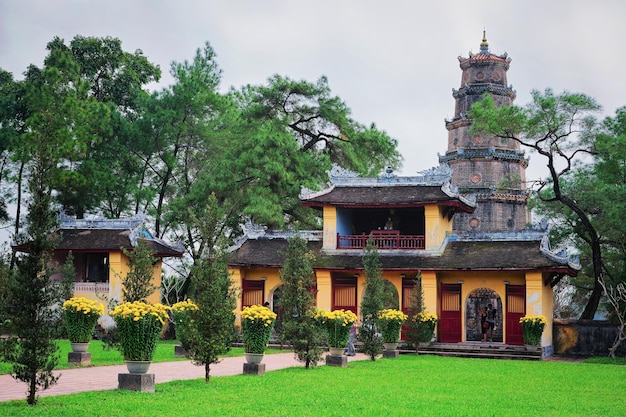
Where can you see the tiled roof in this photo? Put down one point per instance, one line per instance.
(482, 255)
(83, 240)
(413, 195)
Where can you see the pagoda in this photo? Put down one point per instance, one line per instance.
(485, 167)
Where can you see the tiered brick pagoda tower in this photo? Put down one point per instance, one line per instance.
(492, 170)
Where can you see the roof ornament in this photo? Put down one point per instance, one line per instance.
(340, 172)
(98, 221)
(484, 45)
(438, 174)
(388, 174)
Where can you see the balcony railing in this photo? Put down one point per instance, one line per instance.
(92, 287)
(383, 239)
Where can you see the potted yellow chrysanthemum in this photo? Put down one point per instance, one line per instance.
(337, 324)
(256, 324)
(425, 323)
(390, 322)
(81, 316)
(532, 329)
(139, 325)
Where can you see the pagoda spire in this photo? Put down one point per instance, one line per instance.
(484, 45)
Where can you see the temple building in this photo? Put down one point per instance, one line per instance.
(463, 227)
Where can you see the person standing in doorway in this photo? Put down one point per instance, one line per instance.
(483, 322)
(491, 320)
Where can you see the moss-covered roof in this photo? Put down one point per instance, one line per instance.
(95, 240)
(386, 196)
(458, 255)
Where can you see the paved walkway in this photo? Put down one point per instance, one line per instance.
(98, 378)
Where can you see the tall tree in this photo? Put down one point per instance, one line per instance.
(137, 283)
(372, 303)
(288, 135)
(181, 129)
(61, 118)
(32, 348)
(298, 301)
(321, 124)
(12, 125)
(107, 175)
(209, 332)
(600, 189)
(560, 128)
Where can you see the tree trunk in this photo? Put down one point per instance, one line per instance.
(594, 301)
(207, 370)
(596, 259)
(32, 391)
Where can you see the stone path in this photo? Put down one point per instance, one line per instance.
(98, 378)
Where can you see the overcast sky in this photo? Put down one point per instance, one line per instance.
(394, 63)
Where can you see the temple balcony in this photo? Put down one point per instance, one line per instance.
(383, 239)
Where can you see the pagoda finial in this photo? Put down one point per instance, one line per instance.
(484, 45)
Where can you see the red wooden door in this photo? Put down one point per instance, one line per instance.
(252, 293)
(515, 309)
(450, 313)
(408, 288)
(344, 294)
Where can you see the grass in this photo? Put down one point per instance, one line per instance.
(99, 356)
(407, 386)
(606, 360)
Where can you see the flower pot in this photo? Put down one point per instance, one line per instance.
(254, 357)
(138, 367)
(336, 351)
(79, 347)
(533, 348)
(390, 346)
(423, 344)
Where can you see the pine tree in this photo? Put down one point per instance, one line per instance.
(137, 284)
(209, 332)
(298, 301)
(33, 319)
(416, 305)
(372, 303)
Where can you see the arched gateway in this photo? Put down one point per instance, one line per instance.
(476, 300)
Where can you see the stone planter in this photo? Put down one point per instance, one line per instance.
(335, 351)
(423, 344)
(254, 358)
(79, 355)
(179, 351)
(138, 367)
(390, 346)
(533, 348)
(79, 347)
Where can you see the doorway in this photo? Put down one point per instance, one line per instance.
(477, 299)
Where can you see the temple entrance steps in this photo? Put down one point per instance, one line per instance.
(487, 350)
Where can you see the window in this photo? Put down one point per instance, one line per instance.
(97, 268)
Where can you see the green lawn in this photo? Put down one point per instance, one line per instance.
(99, 356)
(407, 386)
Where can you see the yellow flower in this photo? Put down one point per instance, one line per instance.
(258, 312)
(392, 315)
(183, 306)
(540, 319)
(84, 305)
(425, 316)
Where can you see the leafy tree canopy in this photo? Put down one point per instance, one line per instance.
(562, 129)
